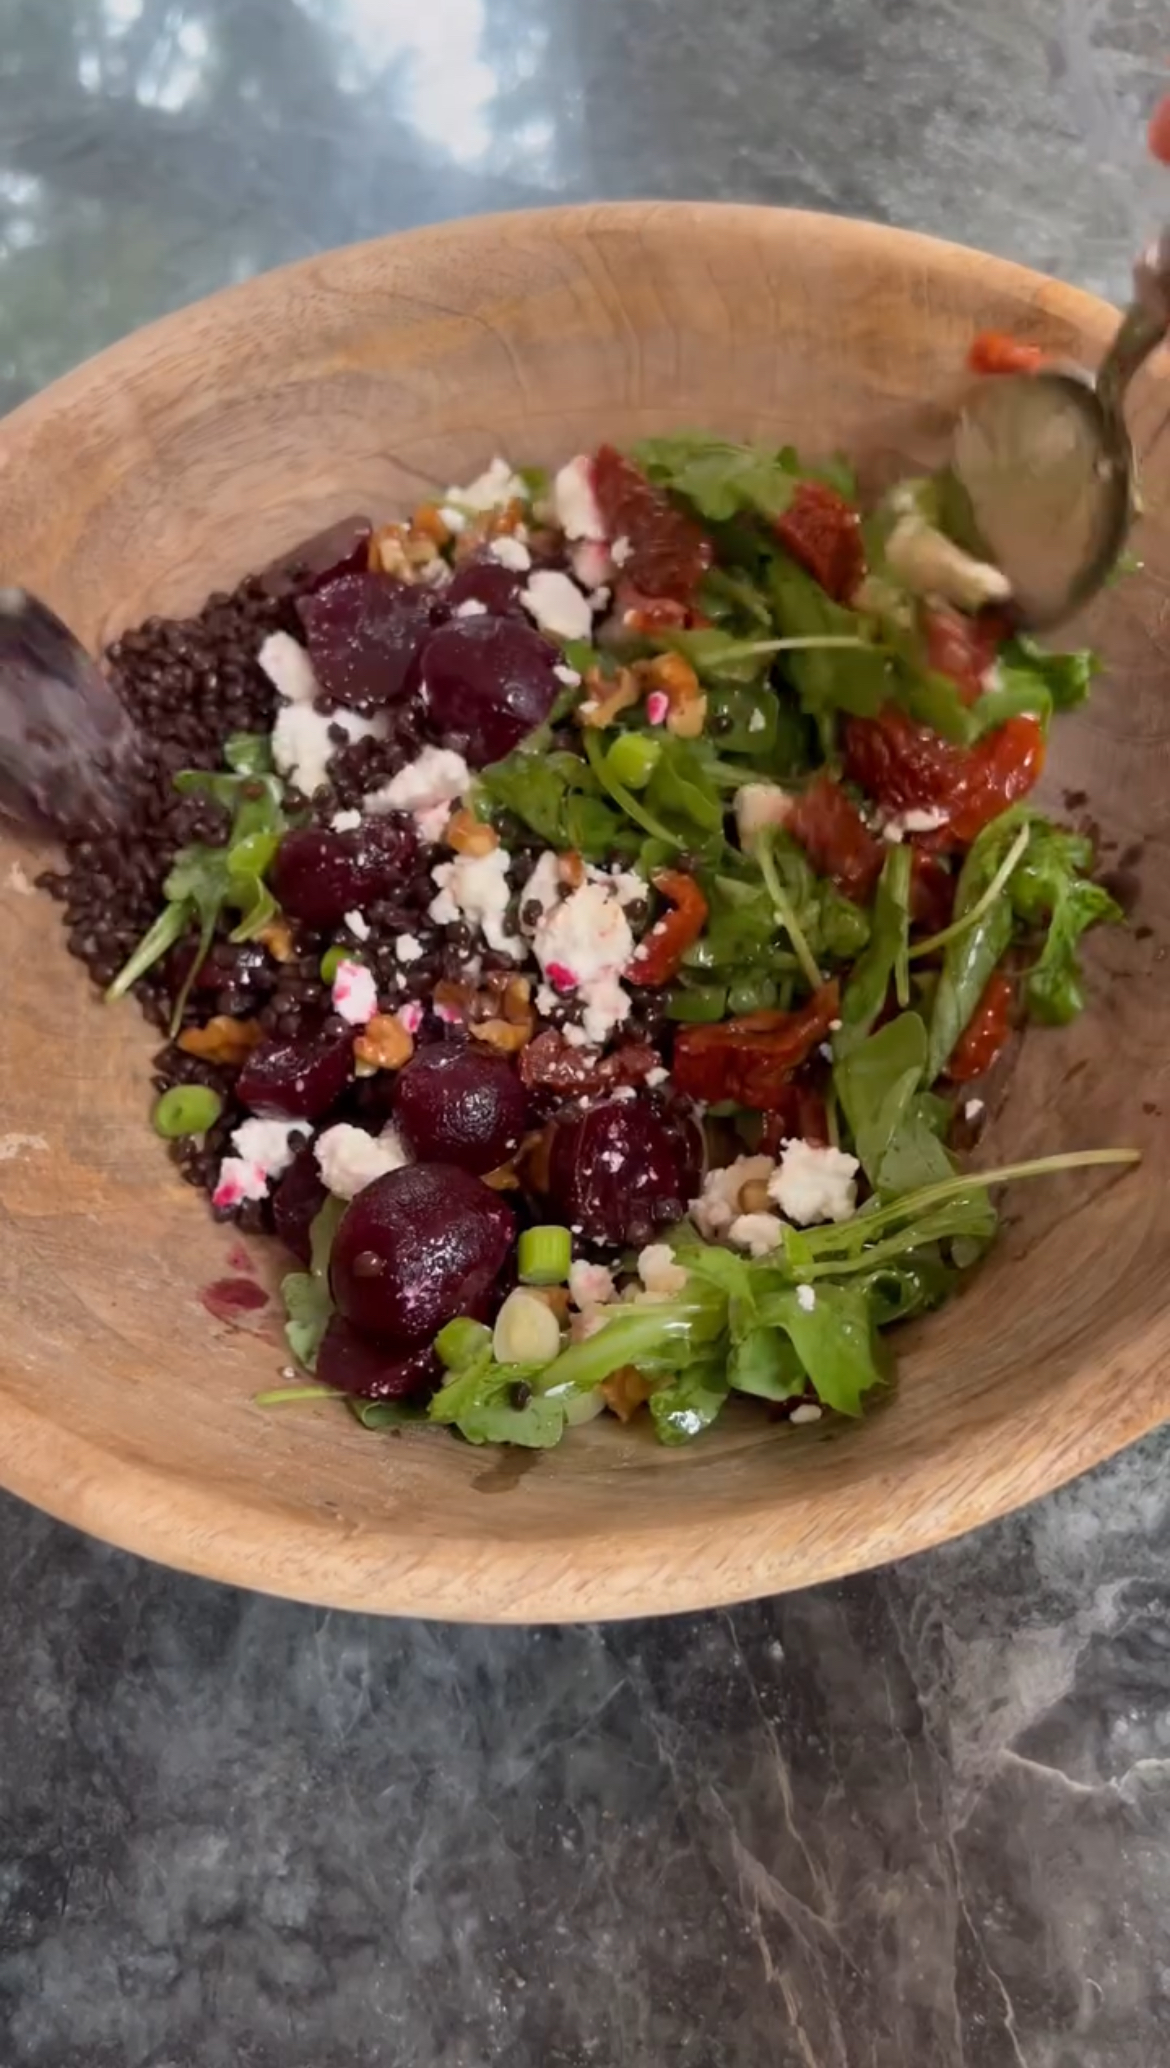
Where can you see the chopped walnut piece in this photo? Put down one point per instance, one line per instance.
(278, 939)
(428, 523)
(570, 870)
(517, 1001)
(606, 697)
(384, 1043)
(468, 835)
(509, 1036)
(679, 684)
(400, 550)
(533, 1157)
(223, 1040)
(626, 1390)
(554, 1297)
(502, 1179)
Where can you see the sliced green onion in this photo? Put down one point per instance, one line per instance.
(971, 918)
(169, 927)
(332, 960)
(545, 1255)
(288, 1396)
(596, 757)
(186, 1109)
(632, 758)
(700, 1007)
(461, 1342)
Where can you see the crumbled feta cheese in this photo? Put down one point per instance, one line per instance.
(621, 551)
(407, 948)
(806, 1298)
(302, 747)
(806, 1412)
(972, 1109)
(658, 1271)
(454, 518)
(577, 509)
(718, 1204)
(926, 820)
(591, 1285)
(928, 563)
(814, 1184)
(475, 888)
(238, 1181)
(355, 994)
(490, 490)
(657, 707)
(471, 607)
(583, 943)
(358, 925)
(599, 600)
(991, 679)
(568, 676)
(543, 890)
(349, 1159)
(757, 722)
(656, 1076)
(410, 1016)
(272, 1144)
(436, 777)
(346, 821)
(759, 1234)
(557, 605)
(511, 553)
(590, 562)
(288, 667)
(758, 805)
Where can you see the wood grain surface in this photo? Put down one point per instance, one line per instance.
(216, 439)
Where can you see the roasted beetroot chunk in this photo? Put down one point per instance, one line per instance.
(319, 875)
(456, 1104)
(363, 631)
(418, 1247)
(624, 1168)
(484, 682)
(299, 1079)
(371, 1370)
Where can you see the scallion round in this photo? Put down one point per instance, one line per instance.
(545, 1255)
(461, 1342)
(632, 759)
(186, 1109)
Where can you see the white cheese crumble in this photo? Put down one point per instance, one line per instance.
(471, 607)
(621, 551)
(806, 1298)
(490, 490)
(927, 819)
(759, 805)
(346, 821)
(511, 553)
(577, 509)
(436, 777)
(288, 667)
(349, 1159)
(355, 994)
(806, 1412)
(814, 1184)
(718, 1204)
(591, 1285)
(658, 1271)
(928, 563)
(264, 1150)
(475, 888)
(757, 1233)
(301, 745)
(454, 518)
(972, 1109)
(592, 566)
(583, 943)
(408, 948)
(568, 676)
(358, 924)
(557, 605)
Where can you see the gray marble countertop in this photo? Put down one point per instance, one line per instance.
(919, 1820)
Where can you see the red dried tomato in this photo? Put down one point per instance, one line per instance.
(751, 1059)
(836, 838)
(932, 892)
(961, 647)
(907, 767)
(993, 351)
(668, 554)
(655, 613)
(659, 953)
(798, 1116)
(823, 531)
(986, 1032)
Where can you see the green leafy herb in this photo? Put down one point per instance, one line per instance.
(686, 1405)
(496, 1403)
(559, 797)
(720, 480)
(308, 1302)
(836, 1340)
(889, 933)
(1033, 682)
(765, 1363)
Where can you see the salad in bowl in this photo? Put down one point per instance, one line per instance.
(581, 916)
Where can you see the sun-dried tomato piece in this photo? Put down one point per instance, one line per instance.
(659, 953)
(752, 1059)
(668, 553)
(836, 838)
(907, 767)
(993, 351)
(823, 531)
(550, 1063)
(932, 892)
(798, 1116)
(962, 647)
(986, 1032)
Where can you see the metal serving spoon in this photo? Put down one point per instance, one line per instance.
(65, 740)
(1046, 466)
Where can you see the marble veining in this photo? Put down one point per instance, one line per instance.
(917, 1820)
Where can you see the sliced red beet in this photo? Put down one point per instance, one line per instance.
(340, 549)
(318, 875)
(460, 1105)
(483, 579)
(296, 1202)
(298, 1080)
(484, 683)
(363, 631)
(371, 1370)
(623, 1169)
(418, 1247)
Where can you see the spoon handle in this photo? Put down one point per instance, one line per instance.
(1142, 328)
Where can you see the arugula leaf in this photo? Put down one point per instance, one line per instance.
(558, 796)
(1049, 884)
(681, 788)
(308, 1302)
(725, 594)
(384, 1414)
(765, 1364)
(249, 753)
(718, 479)
(836, 1341)
(889, 934)
(875, 1081)
(480, 1401)
(970, 958)
(688, 1404)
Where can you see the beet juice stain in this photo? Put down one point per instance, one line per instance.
(227, 1299)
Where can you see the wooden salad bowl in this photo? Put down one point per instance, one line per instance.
(217, 439)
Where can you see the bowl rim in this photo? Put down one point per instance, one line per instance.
(692, 1563)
